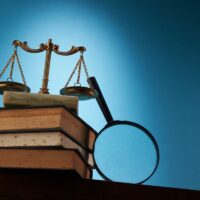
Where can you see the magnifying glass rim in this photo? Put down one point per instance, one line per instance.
(145, 131)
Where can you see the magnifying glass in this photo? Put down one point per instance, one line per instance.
(124, 151)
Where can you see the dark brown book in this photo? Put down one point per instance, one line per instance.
(70, 160)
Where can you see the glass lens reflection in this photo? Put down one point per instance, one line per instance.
(125, 153)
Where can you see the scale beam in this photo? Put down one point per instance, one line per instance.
(72, 51)
(48, 47)
(25, 47)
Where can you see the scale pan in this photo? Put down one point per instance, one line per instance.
(83, 93)
(13, 86)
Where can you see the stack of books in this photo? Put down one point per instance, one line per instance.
(45, 137)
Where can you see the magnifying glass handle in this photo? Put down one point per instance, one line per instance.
(100, 99)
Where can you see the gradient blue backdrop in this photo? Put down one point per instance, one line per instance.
(145, 55)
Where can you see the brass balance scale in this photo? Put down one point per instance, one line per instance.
(83, 93)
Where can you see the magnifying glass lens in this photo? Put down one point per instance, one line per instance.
(125, 153)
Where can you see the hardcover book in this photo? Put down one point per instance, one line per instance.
(39, 140)
(67, 159)
(45, 119)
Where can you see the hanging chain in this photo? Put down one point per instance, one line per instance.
(78, 66)
(20, 67)
(74, 70)
(84, 65)
(12, 61)
(12, 66)
(79, 75)
(6, 66)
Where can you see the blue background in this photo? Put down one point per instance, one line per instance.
(145, 55)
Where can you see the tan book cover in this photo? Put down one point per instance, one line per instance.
(45, 118)
(23, 99)
(44, 159)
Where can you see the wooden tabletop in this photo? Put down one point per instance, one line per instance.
(60, 185)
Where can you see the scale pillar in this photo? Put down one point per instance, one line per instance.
(44, 89)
